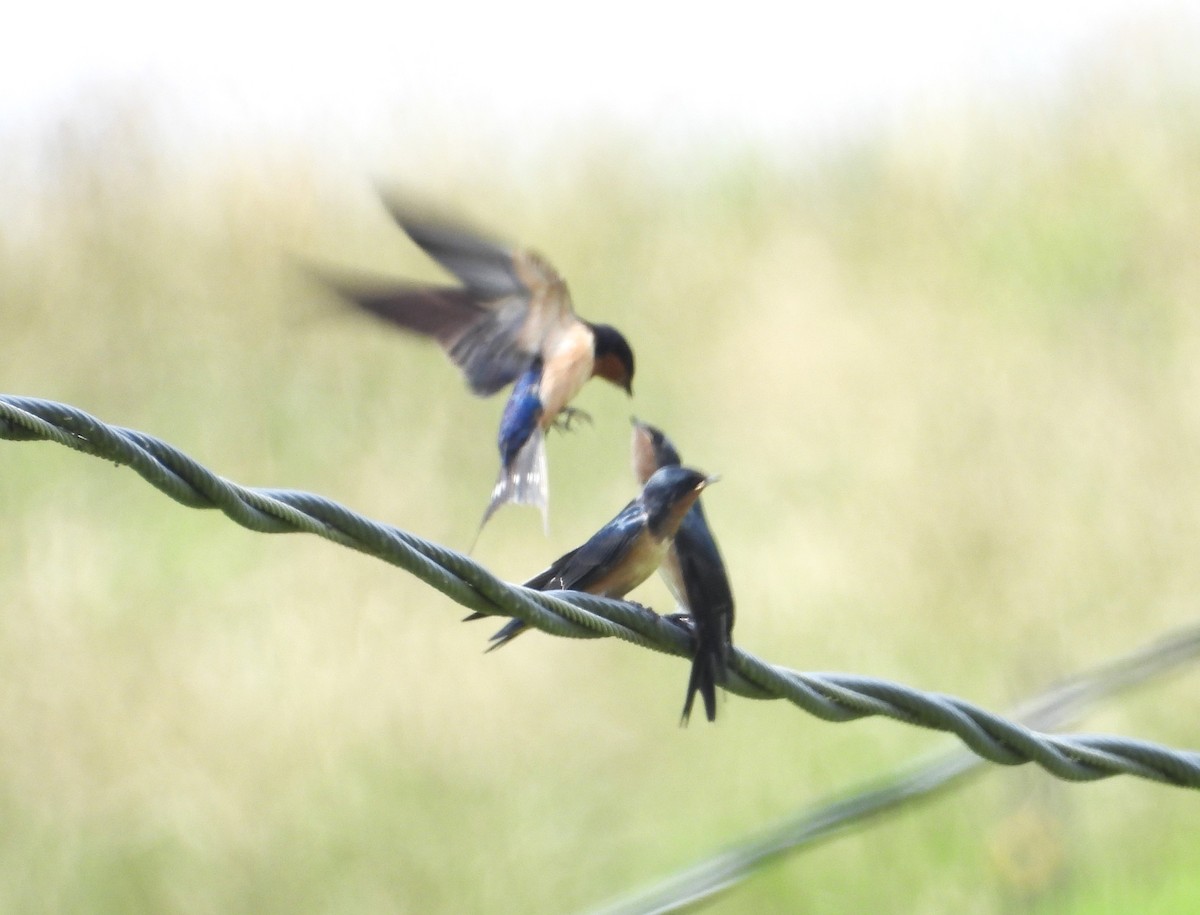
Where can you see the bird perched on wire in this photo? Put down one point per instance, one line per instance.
(694, 573)
(509, 321)
(627, 550)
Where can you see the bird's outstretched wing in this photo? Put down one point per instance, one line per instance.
(492, 325)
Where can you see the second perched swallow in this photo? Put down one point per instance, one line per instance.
(510, 320)
(627, 550)
(695, 574)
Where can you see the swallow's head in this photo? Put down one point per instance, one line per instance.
(651, 450)
(613, 357)
(669, 494)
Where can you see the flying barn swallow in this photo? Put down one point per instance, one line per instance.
(510, 320)
(626, 551)
(694, 573)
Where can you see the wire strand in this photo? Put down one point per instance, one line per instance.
(830, 696)
(835, 815)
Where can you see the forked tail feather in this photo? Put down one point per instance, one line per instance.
(525, 481)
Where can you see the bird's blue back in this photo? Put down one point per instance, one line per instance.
(522, 413)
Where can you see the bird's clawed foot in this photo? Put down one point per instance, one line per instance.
(569, 415)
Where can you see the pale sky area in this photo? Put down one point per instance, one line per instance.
(529, 68)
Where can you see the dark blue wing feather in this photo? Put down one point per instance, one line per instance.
(581, 567)
(585, 565)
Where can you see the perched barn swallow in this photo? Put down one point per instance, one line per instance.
(627, 550)
(510, 320)
(695, 574)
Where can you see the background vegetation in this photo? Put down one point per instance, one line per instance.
(949, 371)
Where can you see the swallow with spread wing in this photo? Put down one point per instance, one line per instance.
(695, 574)
(510, 321)
(626, 551)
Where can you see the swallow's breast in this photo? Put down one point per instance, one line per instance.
(643, 558)
(567, 358)
(673, 576)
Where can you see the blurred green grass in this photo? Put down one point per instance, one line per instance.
(949, 372)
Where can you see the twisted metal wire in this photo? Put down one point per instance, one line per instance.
(921, 778)
(830, 696)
